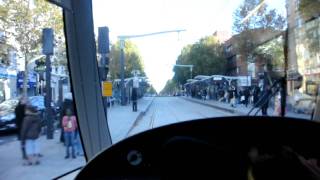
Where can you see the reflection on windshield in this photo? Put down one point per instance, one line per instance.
(261, 60)
(160, 63)
(32, 143)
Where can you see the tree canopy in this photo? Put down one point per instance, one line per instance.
(247, 25)
(309, 9)
(23, 21)
(133, 60)
(207, 57)
(170, 88)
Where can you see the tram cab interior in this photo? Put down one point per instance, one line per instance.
(237, 147)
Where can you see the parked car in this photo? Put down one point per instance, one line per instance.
(302, 103)
(7, 115)
(39, 103)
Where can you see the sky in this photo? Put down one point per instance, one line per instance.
(199, 18)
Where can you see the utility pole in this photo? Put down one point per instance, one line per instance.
(122, 45)
(47, 49)
(122, 90)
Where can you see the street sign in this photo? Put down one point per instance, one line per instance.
(106, 89)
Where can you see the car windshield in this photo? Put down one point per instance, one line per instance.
(155, 63)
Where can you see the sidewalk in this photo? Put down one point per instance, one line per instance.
(52, 164)
(121, 118)
(241, 110)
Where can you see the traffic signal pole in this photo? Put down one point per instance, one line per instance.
(103, 50)
(47, 49)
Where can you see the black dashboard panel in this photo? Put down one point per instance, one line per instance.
(223, 148)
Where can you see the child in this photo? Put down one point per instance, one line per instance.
(69, 124)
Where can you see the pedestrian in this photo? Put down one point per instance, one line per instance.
(242, 97)
(256, 93)
(233, 99)
(30, 131)
(69, 124)
(265, 101)
(204, 94)
(246, 96)
(134, 97)
(20, 114)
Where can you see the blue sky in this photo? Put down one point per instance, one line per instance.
(199, 17)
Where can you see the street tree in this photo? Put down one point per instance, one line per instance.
(207, 57)
(170, 88)
(245, 24)
(309, 9)
(133, 60)
(151, 90)
(23, 21)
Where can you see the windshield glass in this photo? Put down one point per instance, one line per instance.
(173, 61)
(159, 62)
(35, 90)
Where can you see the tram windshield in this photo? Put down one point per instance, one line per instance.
(156, 63)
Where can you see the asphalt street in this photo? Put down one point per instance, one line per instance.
(168, 110)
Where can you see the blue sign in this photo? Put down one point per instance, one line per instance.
(32, 79)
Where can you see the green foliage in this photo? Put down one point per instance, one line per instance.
(263, 19)
(272, 51)
(170, 87)
(23, 21)
(151, 90)
(309, 9)
(133, 60)
(207, 57)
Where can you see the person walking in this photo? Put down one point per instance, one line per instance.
(30, 131)
(20, 114)
(256, 92)
(265, 101)
(246, 96)
(134, 97)
(69, 124)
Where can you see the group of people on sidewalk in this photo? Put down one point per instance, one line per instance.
(253, 96)
(29, 126)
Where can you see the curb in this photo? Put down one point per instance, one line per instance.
(141, 114)
(214, 106)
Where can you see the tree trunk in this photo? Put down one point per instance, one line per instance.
(25, 76)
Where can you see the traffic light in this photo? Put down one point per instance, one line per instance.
(40, 65)
(103, 49)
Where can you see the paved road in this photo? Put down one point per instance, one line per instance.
(167, 110)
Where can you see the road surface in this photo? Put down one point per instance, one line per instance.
(168, 110)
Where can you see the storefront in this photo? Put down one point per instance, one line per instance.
(31, 84)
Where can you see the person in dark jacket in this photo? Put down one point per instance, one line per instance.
(20, 114)
(134, 99)
(265, 97)
(30, 132)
